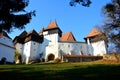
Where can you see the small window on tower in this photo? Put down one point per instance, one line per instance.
(34, 43)
(68, 46)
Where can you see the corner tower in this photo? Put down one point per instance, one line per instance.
(52, 34)
(97, 43)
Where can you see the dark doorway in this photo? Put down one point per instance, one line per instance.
(51, 57)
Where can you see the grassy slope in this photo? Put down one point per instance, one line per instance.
(60, 71)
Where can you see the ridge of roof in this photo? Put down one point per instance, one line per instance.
(68, 36)
(27, 36)
(52, 25)
(32, 32)
(94, 32)
(23, 34)
(33, 36)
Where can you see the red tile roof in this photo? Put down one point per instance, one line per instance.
(52, 25)
(94, 32)
(67, 37)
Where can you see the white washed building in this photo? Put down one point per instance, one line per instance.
(6, 47)
(50, 44)
(29, 45)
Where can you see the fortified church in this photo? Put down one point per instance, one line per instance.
(50, 43)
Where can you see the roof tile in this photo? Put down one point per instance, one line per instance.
(68, 37)
(93, 32)
(52, 25)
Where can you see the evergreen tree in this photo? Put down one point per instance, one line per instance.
(13, 14)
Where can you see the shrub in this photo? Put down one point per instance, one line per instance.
(57, 60)
(17, 57)
(3, 60)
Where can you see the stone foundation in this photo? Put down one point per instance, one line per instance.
(79, 58)
(112, 57)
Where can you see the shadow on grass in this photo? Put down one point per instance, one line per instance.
(90, 72)
(96, 72)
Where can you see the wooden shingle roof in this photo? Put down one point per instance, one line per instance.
(23, 34)
(68, 37)
(32, 32)
(30, 36)
(33, 36)
(20, 38)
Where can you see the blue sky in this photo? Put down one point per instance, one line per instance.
(79, 20)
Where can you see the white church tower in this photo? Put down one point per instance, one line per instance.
(52, 35)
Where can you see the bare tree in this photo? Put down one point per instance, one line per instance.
(112, 23)
(85, 3)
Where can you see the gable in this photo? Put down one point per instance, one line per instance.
(23, 34)
(30, 36)
(20, 38)
(52, 25)
(3, 33)
(68, 37)
(33, 36)
(94, 32)
(53, 28)
(96, 35)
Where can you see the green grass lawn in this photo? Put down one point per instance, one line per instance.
(60, 71)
